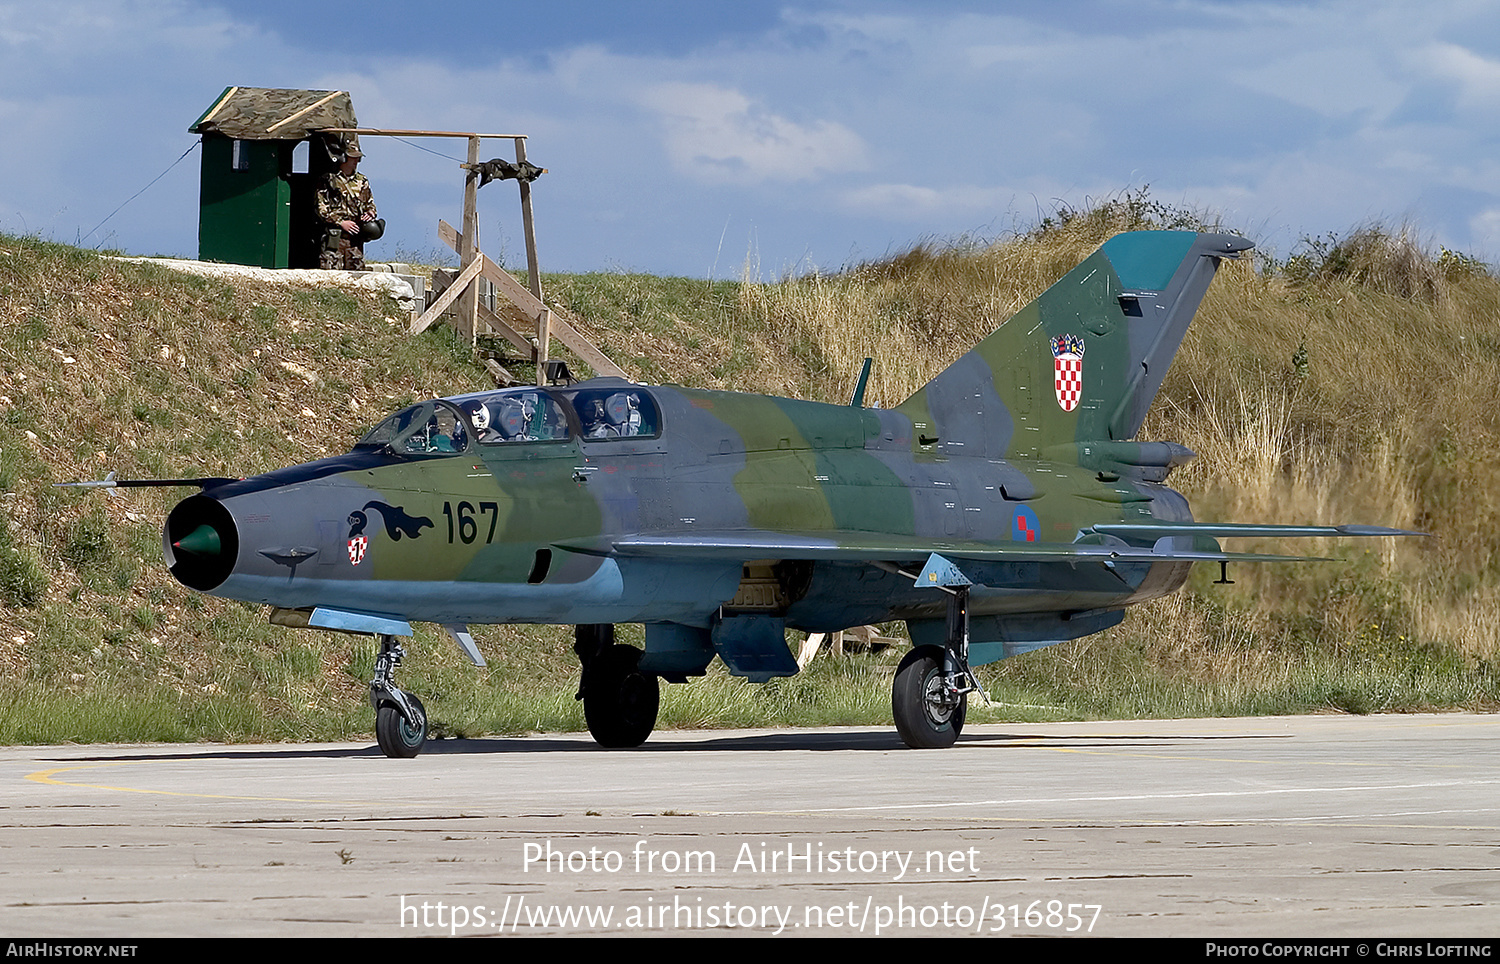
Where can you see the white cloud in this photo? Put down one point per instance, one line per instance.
(1477, 78)
(1484, 228)
(918, 203)
(834, 130)
(717, 134)
(1332, 81)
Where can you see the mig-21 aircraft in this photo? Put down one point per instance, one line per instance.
(1001, 508)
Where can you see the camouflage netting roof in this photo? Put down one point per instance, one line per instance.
(266, 113)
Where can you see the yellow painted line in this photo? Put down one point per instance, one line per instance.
(48, 777)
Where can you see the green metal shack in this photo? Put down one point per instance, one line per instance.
(253, 208)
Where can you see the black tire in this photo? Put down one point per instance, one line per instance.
(619, 701)
(398, 738)
(922, 723)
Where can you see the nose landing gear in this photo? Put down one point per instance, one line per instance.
(400, 718)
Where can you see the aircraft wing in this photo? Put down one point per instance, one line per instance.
(869, 547)
(1225, 530)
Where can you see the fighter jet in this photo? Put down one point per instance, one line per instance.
(1001, 508)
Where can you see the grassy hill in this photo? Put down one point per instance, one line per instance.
(1352, 383)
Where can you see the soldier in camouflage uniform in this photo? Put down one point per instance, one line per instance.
(345, 205)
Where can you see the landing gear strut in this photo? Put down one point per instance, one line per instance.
(619, 701)
(930, 697)
(400, 718)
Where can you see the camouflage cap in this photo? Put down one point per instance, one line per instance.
(340, 147)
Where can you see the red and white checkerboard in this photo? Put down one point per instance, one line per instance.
(1069, 379)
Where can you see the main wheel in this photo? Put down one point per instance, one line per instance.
(619, 701)
(924, 718)
(397, 737)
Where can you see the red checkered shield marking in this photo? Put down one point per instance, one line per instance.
(357, 547)
(1067, 366)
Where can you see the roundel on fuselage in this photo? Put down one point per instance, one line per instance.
(1024, 525)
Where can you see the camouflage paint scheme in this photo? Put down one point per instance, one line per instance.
(726, 519)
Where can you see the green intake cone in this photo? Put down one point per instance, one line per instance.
(202, 541)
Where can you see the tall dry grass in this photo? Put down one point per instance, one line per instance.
(1341, 387)
(1353, 383)
(1358, 389)
(913, 314)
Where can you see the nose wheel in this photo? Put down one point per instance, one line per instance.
(400, 718)
(398, 736)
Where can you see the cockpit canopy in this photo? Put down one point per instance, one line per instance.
(515, 415)
(427, 428)
(448, 426)
(615, 413)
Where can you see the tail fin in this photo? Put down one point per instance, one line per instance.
(1080, 363)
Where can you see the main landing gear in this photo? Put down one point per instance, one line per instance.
(400, 718)
(619, 701)
(930, 697)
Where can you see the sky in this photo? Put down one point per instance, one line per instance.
(709, 139)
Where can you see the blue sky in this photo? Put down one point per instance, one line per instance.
(697, 138)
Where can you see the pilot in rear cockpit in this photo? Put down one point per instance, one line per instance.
(612, 417)
(595, 423)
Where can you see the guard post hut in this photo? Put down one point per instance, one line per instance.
(254, 208)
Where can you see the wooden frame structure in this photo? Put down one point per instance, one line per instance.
(473, 264)
(859, 638)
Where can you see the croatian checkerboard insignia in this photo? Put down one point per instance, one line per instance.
(1067, 364)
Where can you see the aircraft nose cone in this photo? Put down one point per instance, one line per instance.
(202, 541)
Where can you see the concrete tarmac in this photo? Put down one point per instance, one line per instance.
(1334, 826)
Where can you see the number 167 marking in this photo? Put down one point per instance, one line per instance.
(468, 529)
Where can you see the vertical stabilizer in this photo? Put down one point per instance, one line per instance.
(1080, 363)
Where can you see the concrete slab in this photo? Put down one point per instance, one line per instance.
(1288, 827)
